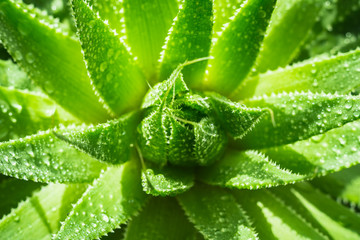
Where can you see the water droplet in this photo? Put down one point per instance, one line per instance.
(104, 217)
(103, 66)
(30, 58)
(18, 55)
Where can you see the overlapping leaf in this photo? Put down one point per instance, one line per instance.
(237, 47)
(109, 142)
(105, 206)
(339, 74)
(246, 170)
(39, 216)
(293, 19)
(343, 185)
(150, 19)
(189, 38)
(297, 116)
(23, 113)
(166, 181)
(45, 158)
(161, 219)
(51, 59)
(322, 212)
(117, 79)
(322, 154)
(274, 220)
(237, 119)
(228, 221)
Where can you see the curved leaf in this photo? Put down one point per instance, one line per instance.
(118, 81)
(237, 119)
(23, 113)
(166, 181)
(321, 211)
(189, 38)
(233, 53)
(320, 155)
(44, 158)
(289, 26)
(215, 213)
(298, 116)
(38, 217)
(343, 185)
(339, 74)
(51, 59)
(147, 24)
(105, 206)
(109, 142)
(273, 219)
(161, 219)
(246, 170)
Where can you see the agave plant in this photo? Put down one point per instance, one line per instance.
(198, 119)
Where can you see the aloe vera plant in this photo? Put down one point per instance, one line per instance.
(167, 119)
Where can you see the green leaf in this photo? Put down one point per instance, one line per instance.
(215, 213)
(322, 154)
(12, 191)
(161, 219)
(335, 74)
(233, 53)
(343, 185)
(39, 216)
(166, 181)
(297, 116)
(289, 26)
(150, 19)
(112, 199)
(12, 76)
(44, 158)
(51, 59)
(109, 142)
(338, 221)
(223, 11)
(274, 220)
(23, 113)
(189, 38)
(246, 170)
(111, 11)
(236, 118)
(118, 81)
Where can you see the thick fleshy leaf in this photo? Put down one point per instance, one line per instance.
(215, 213)
(223, 11)
(12, 191)
(339, 74)
(147, 24)
(23, 113)
(114, 74)
(246, 170)
(109, 142)
(298, 116)
(111, 11)
(233, 53)
(189, 38)
(51, 59)
(12, 76)
(272, 219)
(111, 200)
(45, 158)
(236, 118)
(337, 221)
(39, 216)
(343, 185)
(161, 219)
(320, 155)
(166, 181)
(293, 19)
